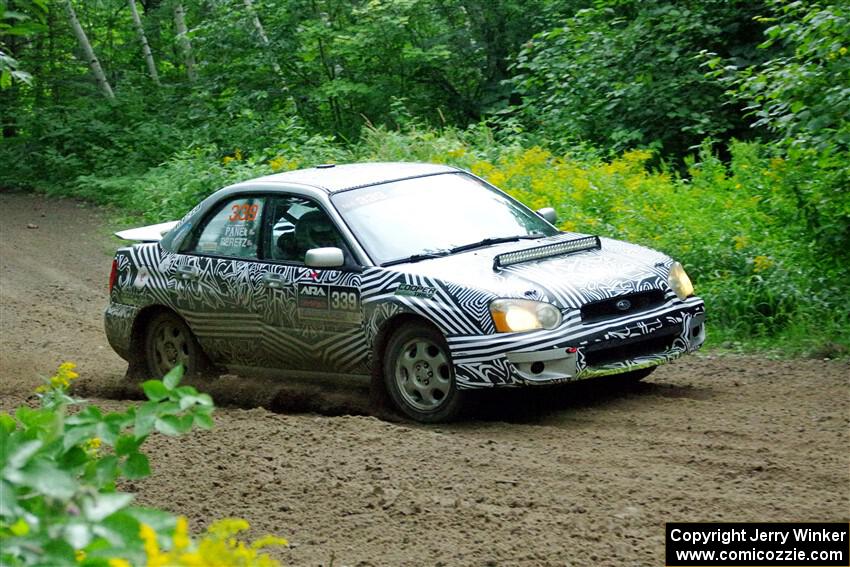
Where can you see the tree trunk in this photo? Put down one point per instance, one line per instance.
(93, 62)
(183, 40)
(262, 35)
(143, 39)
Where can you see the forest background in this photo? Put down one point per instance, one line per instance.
(714, 130)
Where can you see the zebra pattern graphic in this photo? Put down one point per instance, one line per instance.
(274, 315)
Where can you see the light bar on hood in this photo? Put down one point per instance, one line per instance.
(546, 251)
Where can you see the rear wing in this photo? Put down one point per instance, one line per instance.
(150, 233)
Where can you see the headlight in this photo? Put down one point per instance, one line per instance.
(680, 282)
(517, 315)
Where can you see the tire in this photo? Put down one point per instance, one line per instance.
(169, 342)
(419, 374)
(636, 375)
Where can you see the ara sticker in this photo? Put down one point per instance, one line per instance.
(411, 290)
(332, 302)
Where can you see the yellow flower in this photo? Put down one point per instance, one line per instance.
(740, 242)
(497, 178)
(92, 447)
(228, 527)
(118, 562)
(181, 534)
(267, 541)
(80, 556)
(238, 154)
(481, 168)
(148, 535)
(227, 160)
(762, 263)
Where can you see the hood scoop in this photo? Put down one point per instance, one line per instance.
(546, 251)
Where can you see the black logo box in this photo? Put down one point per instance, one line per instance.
(789, 543)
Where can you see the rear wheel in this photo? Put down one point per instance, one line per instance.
(419, 374)
(169, 342)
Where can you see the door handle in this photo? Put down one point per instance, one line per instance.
(273, 281)
(187, 272)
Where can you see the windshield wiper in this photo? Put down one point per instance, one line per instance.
(497, 240)
(418, 257)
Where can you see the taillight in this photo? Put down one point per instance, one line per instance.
(113, 274)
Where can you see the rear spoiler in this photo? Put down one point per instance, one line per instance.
(150, 233)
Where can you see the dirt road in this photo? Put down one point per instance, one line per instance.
(585, 475)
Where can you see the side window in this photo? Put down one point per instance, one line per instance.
(234, 230)
(297, 225)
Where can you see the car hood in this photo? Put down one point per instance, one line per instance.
(567, 280)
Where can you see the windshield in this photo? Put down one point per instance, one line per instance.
(433, 214)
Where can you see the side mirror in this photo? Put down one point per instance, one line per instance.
(548, 214)
(324, 258)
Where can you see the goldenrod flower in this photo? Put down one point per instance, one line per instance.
(181, 534)
(228, 527)
(267, 541)
(92, 447)
(148, 535)
(762, 263)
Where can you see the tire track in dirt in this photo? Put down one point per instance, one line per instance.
(585, 474)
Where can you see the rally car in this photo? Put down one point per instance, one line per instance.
(422, 275)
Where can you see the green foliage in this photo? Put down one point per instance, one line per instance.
(24, 21)
(58, 472)
(60, 465)
(803, 95)
(625, 74)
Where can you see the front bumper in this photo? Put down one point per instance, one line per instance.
(577, 350)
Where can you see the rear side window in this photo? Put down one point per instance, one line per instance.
(233, 230)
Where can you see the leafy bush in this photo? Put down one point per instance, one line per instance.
(59, 469)
(624, 74)
(802, 95)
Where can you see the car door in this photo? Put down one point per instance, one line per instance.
(312, 316)
(215, 280)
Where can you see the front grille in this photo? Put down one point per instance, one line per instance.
(606, 353)
(605, 308)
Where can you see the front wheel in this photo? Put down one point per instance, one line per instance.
(169, 342)
(419, 374)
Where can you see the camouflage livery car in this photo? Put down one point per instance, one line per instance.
(424, 275)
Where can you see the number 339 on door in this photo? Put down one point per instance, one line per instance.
(344, 300)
